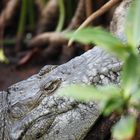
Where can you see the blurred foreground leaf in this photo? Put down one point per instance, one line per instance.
(125, 128)
(100, 37)
(132, 25)
(130, 75)
(88, 92)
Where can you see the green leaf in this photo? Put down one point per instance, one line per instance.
(132, 25)
(115, 104)
(125, 128)
(109, 97)
(136, 96)
(100, 37)
(135, 100)
(130, 75)
(89, 93)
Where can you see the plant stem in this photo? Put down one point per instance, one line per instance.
(96, 14)
(61, 15)
(22, 20)
(31, 14)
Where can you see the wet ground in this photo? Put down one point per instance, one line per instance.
(9, 74)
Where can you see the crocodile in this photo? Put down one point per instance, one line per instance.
(32, 109)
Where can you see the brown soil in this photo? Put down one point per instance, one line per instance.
(9, 74)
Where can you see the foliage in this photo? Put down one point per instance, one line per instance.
(125, 128)
(113, 98)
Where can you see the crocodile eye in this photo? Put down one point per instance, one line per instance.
(50, 87)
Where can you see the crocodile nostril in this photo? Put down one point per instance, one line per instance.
(38, 135)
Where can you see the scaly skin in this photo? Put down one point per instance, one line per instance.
(36, 111)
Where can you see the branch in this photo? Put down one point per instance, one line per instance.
(96, 14)
(78, 17)
(48, 15)
(49, 37)
(6, 15)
